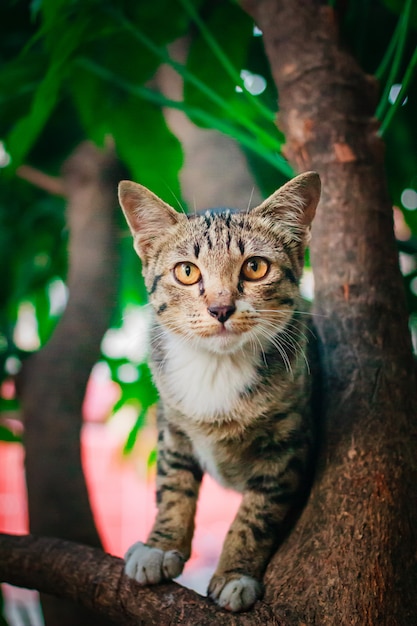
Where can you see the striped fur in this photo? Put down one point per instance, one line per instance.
(229, 357)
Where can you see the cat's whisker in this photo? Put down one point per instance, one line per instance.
(262, 350)
(250, 199)
(275, 341)
(297, 311)
(290, 337)
(291, 329)
(291, 324)
(177, 200)
(299, 327)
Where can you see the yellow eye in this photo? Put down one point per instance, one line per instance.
(187, 273)
(255, 268)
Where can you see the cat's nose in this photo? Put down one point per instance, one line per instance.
(222, 313)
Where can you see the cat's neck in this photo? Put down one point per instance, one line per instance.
(204, 385)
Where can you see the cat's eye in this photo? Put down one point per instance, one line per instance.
(255, 268)
(187, 273)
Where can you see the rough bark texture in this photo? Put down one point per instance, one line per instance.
(53, 381)
(96, 580)
(352, 557)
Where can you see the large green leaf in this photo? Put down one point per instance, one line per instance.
(26, 131)
(232, 29)
(148, 147)
(18, 81)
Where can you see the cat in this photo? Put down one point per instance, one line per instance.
(228, 356)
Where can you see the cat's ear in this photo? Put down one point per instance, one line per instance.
(294, 204)
(147, 215)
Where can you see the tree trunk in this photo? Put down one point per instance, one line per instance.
(53, 381)
(351, 559)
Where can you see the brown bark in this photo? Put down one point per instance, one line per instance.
(53, 381)
(351, 559)
(96, 580)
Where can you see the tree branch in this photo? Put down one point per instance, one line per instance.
(51, 184)
(96, 580)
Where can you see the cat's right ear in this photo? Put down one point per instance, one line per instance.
(147, 215)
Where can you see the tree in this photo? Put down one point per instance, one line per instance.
(351, 557)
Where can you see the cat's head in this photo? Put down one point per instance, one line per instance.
(223, 278)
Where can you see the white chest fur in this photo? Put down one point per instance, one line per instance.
(201, 384)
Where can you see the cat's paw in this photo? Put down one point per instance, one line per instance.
(149, 566)
(236, 594)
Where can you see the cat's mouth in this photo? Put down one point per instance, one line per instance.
(222, 330)
(230, 329)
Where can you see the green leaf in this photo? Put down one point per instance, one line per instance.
(132, 436)
(397, 6)
(18, 80)
(210, 70)
(148, 147)
(405, 84)
(397, 60)
(132, 286)
(25, 133)
(152, 458)
(142, 391)
(27, 129)
(214, 63)
(9, 404)
(97, 100)
(7, 435)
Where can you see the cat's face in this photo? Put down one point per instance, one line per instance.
(223, 279)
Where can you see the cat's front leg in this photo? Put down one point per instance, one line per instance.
(168, 547)
(249, 544)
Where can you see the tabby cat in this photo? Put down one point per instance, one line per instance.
(228, 355)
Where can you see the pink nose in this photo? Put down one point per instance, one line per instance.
(222, 313)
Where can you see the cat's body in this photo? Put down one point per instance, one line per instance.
(229, 358)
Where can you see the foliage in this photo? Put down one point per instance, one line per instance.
(76, 69)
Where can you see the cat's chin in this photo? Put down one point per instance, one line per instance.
(224, 343)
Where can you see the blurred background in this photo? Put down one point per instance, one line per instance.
(176, 95)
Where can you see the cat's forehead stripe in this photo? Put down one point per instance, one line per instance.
(217, 228)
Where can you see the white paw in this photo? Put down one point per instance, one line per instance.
(238, 594)
(149, 566)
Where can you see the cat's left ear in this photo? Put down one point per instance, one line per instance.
(147, 215)
(294, 204)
